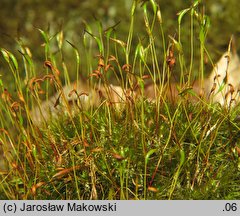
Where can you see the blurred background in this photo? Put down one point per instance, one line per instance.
(19, 21)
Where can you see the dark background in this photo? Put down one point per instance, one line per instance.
(19, 21)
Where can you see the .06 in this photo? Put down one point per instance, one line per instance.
(231, 207)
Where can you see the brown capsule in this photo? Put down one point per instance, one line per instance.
(216, 77)
(213, 88)
(97, 149)
(127, 67)
(231, 88)
(65, 171)
(146, 77)
(100, 61)
(238, 151)
(118, 156)
(152, 189)
(35, 187)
